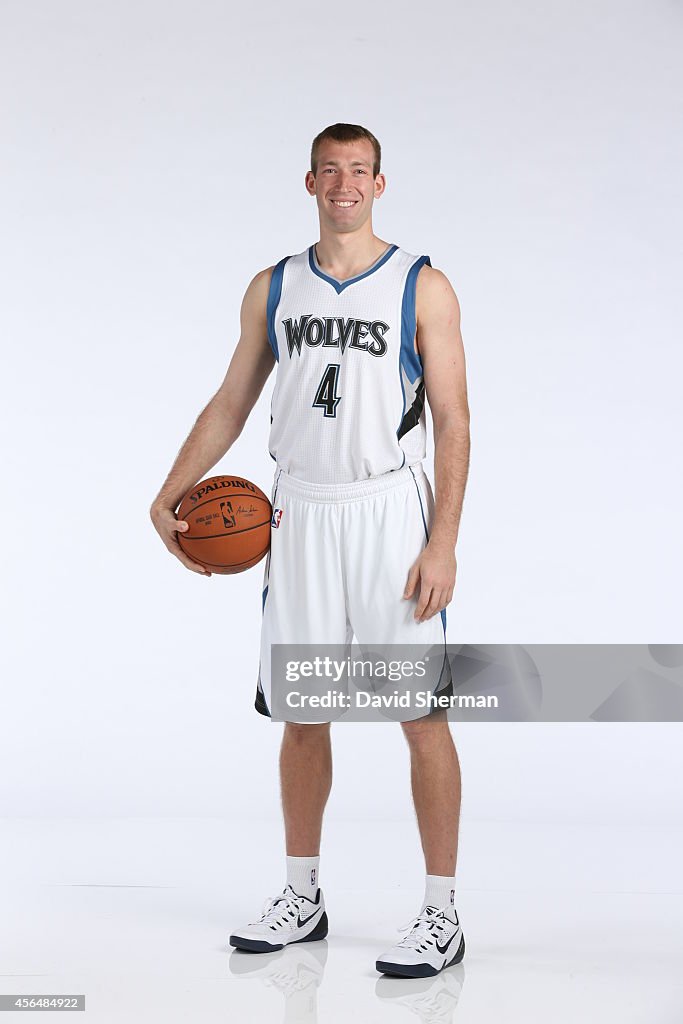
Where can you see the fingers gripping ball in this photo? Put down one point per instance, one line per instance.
(228, 521)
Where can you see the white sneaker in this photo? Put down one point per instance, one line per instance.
(285, 918)
(434, 941)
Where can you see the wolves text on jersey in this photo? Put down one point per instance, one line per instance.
(336, 332)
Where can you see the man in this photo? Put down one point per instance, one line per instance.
(361, 332)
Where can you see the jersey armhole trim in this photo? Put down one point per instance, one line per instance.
(274, 295)
(410, 360)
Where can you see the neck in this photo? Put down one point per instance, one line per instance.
(344, 254)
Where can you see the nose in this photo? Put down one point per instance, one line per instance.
(345, 181)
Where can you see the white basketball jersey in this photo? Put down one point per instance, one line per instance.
(348, 401)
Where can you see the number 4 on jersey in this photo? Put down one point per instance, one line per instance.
(326, 396)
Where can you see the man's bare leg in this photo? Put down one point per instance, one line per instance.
(435, 782)
(306, 780)
(435, 939)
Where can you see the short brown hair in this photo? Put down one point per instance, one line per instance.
(346, 133)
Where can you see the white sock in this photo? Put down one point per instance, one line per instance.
(440, 892)
(302, 875)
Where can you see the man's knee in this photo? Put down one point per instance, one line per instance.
(306, 732)
(423, 732)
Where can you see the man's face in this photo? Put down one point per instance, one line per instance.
(344, 186)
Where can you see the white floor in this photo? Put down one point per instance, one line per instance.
(562, 923)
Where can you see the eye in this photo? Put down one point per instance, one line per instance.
(361, 171)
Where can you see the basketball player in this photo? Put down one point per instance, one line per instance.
(361, 332)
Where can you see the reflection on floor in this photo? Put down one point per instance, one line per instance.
(296, 972)
(562, 923)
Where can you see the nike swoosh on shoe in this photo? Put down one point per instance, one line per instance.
(442, 949)
(304, 920)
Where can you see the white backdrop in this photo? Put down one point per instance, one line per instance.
(153, 157)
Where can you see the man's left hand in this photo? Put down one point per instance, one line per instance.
(433, 572)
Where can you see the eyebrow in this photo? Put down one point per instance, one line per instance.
(335, 163)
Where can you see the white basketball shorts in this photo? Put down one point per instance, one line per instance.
(338, 564)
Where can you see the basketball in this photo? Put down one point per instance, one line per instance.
(228, 521)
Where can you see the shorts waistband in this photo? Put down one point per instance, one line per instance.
(351, 491)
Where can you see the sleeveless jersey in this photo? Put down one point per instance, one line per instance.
(348, 401)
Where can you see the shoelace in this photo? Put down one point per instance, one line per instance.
(280, 910)
(423, 929)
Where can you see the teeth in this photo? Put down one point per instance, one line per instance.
(338, 202)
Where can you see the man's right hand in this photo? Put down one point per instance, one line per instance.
(168, 526)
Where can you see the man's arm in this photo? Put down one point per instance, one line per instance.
(439, 343)
(219, 425)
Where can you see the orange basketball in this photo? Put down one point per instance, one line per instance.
(228, 521)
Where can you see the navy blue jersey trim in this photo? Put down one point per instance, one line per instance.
(339, 286)
(260, 703)
(410, 360)
(274, 295)
(412, 417)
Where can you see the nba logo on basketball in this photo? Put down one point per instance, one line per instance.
(277, 516)
(228, 514)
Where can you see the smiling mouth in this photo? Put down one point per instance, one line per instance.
(344, 204)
